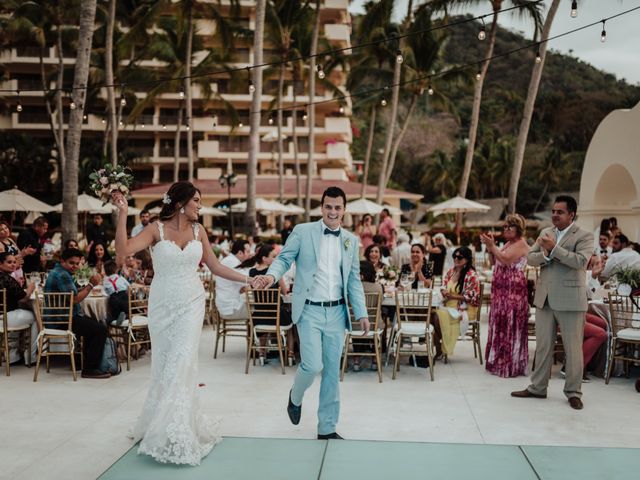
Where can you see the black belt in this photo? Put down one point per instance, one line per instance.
(332, 303)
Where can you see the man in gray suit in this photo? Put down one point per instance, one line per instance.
(562, 253)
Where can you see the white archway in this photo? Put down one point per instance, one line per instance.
(610, 182)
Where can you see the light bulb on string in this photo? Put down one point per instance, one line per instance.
(252, 87)
(270, 121)
(574, 9)
(19, 105)
(341, 110)
(321, 73)
(121, 123)
(72, 105)
(430, 90)
(603, 35)
(103, 121)
(478, 75)
(164, 126)
(188, 127)
(215, 121)
(84, 117)
(123, 102)
(383, 102)
(304, 117)
(399, 57)
(181, 94)
(142, 126)
(240, 124)
(538, 57)
(482, 34)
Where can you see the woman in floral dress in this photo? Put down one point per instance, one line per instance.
(507, 353)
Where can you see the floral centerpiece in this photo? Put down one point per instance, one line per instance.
(83, 274)
(110, 179)
(388, 275)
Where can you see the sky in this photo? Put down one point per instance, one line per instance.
(620, 54)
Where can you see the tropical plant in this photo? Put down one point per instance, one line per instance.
(312, 109)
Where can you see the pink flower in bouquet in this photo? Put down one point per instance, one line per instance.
(104, 181)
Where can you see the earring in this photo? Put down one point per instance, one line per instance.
(182, 210)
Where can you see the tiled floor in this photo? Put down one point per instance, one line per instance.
(57, 428)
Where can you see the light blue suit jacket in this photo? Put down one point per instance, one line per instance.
(302, 247)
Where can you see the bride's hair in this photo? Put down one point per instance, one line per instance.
(178, 196)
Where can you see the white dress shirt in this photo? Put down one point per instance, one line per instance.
(228, 297)
(328, 279)
(625, 258)
(137, 230)
(559, 235)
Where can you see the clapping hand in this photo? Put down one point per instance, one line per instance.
(488, 240)
(547, 242)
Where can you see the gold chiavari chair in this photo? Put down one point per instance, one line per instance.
(373, 301)
(473, 331)
(133, 333)
(413, 328)
(54, 314)
(226, 327)
(264, 319)
(22, 331)
(211, 315)
(625, 327)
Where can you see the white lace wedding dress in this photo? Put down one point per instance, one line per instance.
(171, 428)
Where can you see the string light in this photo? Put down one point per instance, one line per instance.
(270, 120)
(252, 87)
(181, 94)
(603, 35)
(304, 117)
(574, 9)
(164, 126)
(142, 126)
(383, 102)
(341, 110)
(84, 117)
(399, 57)
(188, 128)
(538, 57)
(103, 121)
(321, 73)
(72, 105)
(19, 105)
(240, 124)
(430, 90)
(121, 123)
(123, 102)
(482, 34)
(478, 75)
(215, 121)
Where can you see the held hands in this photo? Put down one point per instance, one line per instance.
(262, 281)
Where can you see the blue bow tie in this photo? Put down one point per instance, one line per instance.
(335, 233)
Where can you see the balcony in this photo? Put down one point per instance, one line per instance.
(339, 126)
(339, 151)
(208, 149)
(338, 34)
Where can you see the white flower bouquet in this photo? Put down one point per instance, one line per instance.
(110, 179)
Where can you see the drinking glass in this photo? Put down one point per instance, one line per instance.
(404, 281)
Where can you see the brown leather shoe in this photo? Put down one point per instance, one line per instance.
(527, 394)
(576, 403)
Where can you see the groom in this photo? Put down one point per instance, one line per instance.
(327, 281)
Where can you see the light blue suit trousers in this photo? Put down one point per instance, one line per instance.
(322, 332)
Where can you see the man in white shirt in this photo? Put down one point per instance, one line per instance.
(402, 253)
(230, 299)
(623, 256)
(145, 216)
(327, 281)
(603, 250)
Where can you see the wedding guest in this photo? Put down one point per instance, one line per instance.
(418, 267)
(144, 273)
(460, 295)
(71, 243)
(604, 249)
(287, 228)
(623, 256)
(96, 231)
(373, 253)
(94, 333)
(18, 308)
(33, 239)
(145, 219)
(387, 227)
(8, 245)
(507, 351)
(366, 230)
(437, 252)
(229, 300)
(595, 335)
(98, 256)
(117, 288)
(385, 251)
(401, 254)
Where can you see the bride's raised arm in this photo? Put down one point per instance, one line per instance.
(128, 246)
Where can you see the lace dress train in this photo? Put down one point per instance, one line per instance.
(171, 429)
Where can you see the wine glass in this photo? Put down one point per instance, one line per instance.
(412, 277)
(404, 281)
(82, 280)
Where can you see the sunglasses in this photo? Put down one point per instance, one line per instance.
(458, 257)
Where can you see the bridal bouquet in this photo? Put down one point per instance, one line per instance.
(110, 179)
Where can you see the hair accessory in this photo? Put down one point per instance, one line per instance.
(166, 199)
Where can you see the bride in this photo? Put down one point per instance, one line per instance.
(170, 427)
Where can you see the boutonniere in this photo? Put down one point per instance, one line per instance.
(347, 244)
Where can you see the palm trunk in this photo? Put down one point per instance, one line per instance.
(59, 108)
(529, 103)
(398, 140)
(176, 147)
(50, 112)
(367, 156)
(312, 112)
(79, 93)
(296, 158)
(382, 178)
(188, 95)
(279, 131)
(254, 119)
(111, 100)
(475, 112)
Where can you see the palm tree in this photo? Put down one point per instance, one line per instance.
(254, 121)
(111, 98)
(80, 81)
(312, 109)
(532, 94)
(526, 6)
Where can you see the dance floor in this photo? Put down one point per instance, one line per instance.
(282, 459)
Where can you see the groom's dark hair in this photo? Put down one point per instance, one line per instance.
(334, 192)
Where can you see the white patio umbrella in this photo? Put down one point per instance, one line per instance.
(87, 203)
(272, 136)
(15, 200)
(214, 212)
(315, 212)
(263, 206)
(363, 206)
(292, 209)
(458, 205)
